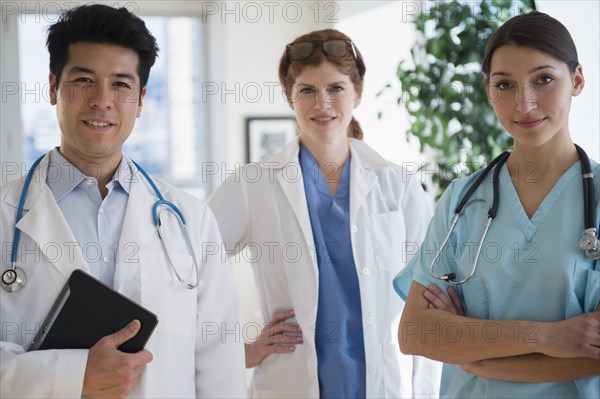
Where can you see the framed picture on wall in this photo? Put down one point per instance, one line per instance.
(267, 135)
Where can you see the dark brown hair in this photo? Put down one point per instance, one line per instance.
(535, 30)
(355, 69)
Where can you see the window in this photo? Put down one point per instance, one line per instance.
(169, 140)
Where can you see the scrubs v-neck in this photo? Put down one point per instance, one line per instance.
(339, 332)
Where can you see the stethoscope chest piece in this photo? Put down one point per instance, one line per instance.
(13, 279)
(590, 244)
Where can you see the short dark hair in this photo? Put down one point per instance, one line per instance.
(97, 23)
(538, 31)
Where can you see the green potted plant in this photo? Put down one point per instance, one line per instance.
(444, 93)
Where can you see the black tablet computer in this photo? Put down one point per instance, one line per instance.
(85, 311)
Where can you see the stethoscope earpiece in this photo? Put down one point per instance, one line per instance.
(13, 279)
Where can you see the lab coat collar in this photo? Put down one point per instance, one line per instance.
(37, 185)
(127, 177)
(302, 281)
(362, 154)
(365, 161)
(362, 179)
(365, 156)
(44, 223)
(292, 184)
(362, 175)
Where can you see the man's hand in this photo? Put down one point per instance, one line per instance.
(276, 337)
(110, 373)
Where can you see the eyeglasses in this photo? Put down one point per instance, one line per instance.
(337, 48)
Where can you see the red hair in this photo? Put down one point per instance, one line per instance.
(355, 69)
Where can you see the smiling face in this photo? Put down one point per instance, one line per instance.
(97, 102)
(323, 99)
(531, 93)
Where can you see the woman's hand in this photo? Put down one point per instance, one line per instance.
(575, 337)
(275, 337)
(438, 300)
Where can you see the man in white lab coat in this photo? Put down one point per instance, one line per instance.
(86, 194)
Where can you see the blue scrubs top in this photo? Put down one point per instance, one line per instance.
(339, 333)
(529, 269)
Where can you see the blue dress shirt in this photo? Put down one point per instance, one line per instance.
(96, 223)
(339, 331)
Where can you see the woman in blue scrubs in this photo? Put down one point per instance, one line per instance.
(530, 326)
(329, 223)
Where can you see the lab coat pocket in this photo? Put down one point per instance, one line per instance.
(585, 289)
(388, 235)
(163, 294)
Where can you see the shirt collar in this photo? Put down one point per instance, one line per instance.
(124, 174)
(62, 176)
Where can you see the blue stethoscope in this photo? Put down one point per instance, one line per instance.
(15, 278)
(589, 242)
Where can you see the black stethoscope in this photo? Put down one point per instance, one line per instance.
(14, 279)
(589, 241)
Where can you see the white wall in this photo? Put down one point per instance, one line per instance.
(10, 111)
(582, 19)
(381, 31)
(245, 52)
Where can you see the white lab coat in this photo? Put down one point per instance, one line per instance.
(263, 206)
(192, 355)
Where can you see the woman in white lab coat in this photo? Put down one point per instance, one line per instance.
(328, 223)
